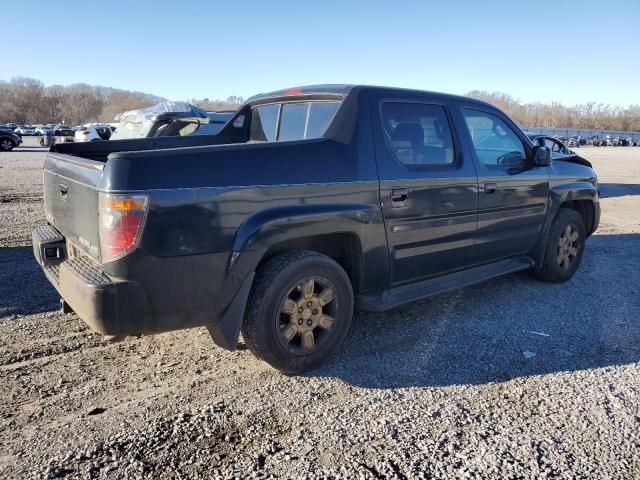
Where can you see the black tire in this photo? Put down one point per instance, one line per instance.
(552, 269)
(265, 323)
(6, 144)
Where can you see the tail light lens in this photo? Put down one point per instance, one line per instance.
(85, 133)
(121, 220)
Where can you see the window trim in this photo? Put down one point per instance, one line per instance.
(526, 141)
(454, 140)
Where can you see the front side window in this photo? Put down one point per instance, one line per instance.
(291, 120)
(417, 133)
(494, 142)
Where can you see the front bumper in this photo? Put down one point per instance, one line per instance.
(596, 219)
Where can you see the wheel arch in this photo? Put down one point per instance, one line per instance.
(579, 196)
(586, 209)
(343, 232)
(343, 247)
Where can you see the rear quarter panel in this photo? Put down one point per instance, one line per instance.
(215, 211)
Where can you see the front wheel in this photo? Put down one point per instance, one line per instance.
(299, 311)
(6, 145)
(565, 246)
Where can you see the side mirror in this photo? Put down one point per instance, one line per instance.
(541, 156)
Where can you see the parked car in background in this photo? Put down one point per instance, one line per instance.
(63, 130)
(625, 142)
(92, 132)
(44, 130)
(310, 202)
(217, 120)
(558, 149)
(165, 119)
(9, 140)
(25, 130)
(9, 126)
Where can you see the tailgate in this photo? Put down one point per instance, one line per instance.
(71, 199)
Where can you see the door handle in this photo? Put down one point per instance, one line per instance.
(489, 187)
(399, 196)
(63, 189)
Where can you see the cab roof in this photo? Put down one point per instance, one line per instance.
(345, 89)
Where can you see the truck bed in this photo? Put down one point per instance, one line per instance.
(100, 150)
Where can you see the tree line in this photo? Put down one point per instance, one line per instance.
(590, 115)
(29, 101)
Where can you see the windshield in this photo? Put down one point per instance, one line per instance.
(132, 129)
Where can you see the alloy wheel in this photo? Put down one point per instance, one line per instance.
(307, 315)
(568, 246)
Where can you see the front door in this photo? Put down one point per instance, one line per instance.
(513, 191)
(428, 188)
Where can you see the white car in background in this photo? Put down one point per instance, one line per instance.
(43, 130)
(91, 132)
(25, 130)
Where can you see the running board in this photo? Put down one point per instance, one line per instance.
(394, 297)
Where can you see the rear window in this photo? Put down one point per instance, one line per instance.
(292, 121)
(264, 120)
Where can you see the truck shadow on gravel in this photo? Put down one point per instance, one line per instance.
(505, 328)
(24, 290)
(609, 190)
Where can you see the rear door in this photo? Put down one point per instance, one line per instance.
(513, 192)
(428, 189)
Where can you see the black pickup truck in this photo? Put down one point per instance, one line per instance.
(309, 202)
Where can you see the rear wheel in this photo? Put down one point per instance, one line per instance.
(6, 144)
(299, 311)
(565, 246)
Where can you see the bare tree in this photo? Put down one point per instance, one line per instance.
(26, 100)
(555, 115)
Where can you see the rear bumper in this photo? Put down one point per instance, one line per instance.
(108, 307)
(119, 307)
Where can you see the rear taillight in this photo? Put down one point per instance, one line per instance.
(121, 219)
(85, 133)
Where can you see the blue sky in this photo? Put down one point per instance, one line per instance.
(572, 52)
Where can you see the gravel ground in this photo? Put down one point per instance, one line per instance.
(512, 378)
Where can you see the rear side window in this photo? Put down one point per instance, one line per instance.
(292, 120)
(417, 133)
